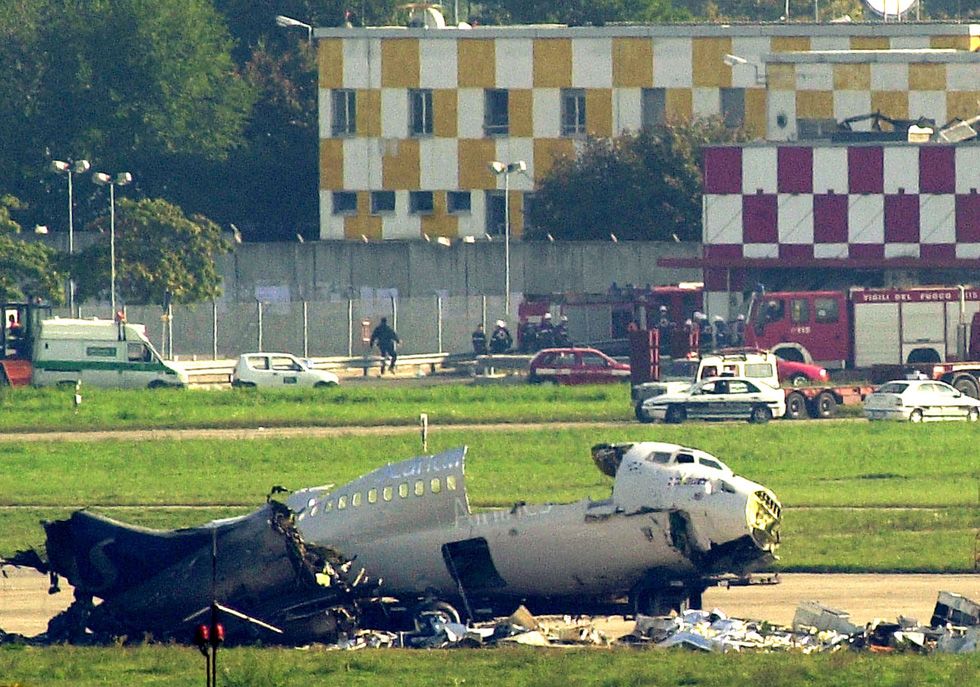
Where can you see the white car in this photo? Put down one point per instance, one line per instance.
(278, 370)
(917, 400)
(716, 398)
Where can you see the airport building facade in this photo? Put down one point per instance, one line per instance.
(410, 118)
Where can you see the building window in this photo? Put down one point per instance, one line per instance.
(420, 112)
(382, 202)
(733, 107)
(572, 112)
(529, 202)
(653, 107)
(343, 112)
(458, 202)
(496, 116)
(495, 213)
(420, 202)
(344, 203)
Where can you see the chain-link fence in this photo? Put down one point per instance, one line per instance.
(220, 330)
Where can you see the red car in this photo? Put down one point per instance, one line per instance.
(798, 374)
(576, 366)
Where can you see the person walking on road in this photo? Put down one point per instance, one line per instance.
(386, 338)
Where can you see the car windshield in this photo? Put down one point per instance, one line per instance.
(893, 388)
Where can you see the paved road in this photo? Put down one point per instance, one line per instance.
(26, 606)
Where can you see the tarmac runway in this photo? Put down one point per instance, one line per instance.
(26, 606)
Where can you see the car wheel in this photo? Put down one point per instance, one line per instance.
(799, 379)
(324, 385)
(760, 415)
(973, 415)
(641, 413)
(967, 387)
(825, 405)
(675, 415)
(796, 406)
(916, 415)
(238, 384)
(157, 384)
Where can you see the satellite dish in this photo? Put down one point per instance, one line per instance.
(890, 8)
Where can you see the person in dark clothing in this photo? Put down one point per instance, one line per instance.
(386, 338)
(501, 340)
(479, 341)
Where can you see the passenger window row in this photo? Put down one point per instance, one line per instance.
(418, 488)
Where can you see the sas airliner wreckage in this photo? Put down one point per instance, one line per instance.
(403, 537)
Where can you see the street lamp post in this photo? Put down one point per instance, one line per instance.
(284, 22)
(500, 169)
(69, 168)
(121, 179)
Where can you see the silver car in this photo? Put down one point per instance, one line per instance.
(918, 400)
(278, 370)
(716, 398)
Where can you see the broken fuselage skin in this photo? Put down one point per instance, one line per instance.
(676, 518)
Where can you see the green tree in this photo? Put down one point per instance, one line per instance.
(26, 269)
(158, 250)
(642, 186)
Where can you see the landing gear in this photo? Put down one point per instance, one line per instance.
(660, 598)
(426, 611)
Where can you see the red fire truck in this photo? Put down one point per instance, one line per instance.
(933, 328)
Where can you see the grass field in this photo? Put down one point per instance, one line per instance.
(856, 496)
(252, 667)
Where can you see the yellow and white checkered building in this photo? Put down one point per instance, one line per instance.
(410, 118)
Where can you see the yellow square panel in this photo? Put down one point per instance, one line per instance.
(815, 104)
(927, 77)
(400, 63)
(598, 111)
(547, 150)
(516, 202)
(710, 70)
(476, 63)
(951, 42)
(781, 77)
(632, 63)
(330, 63)
(332, 164)
(444, 101)
(962, 104)
(369, 113)
(552, 63)
(440, 222)
(894, 104)
(852, 77)
(363, 225)
(680, 105)
(401, 170)
(870, 43)
(755, 112)
(789, 44)
(520, 110)
(474, 156)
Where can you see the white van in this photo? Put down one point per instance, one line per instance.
(100, 353)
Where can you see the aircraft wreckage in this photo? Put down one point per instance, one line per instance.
(678, 521)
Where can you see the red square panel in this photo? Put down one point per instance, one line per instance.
(968, 218)
(794, 169)
(830, 218)
(759, 218)
(937, 251)
(723, 250)
(902, 218)
(722, 170)
(937, 169)
(867, 251)
(865, 169)
(795, 253)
